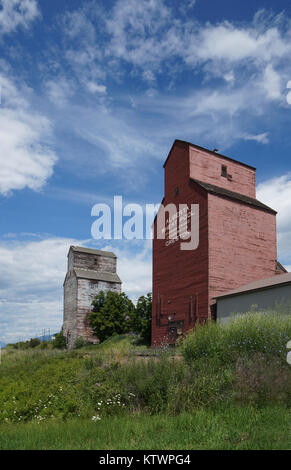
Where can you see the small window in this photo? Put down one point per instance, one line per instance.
(224, 171)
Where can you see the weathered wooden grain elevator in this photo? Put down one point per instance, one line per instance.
(89, 272)
(237, 238)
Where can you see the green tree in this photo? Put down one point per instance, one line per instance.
(80, 342)
(33, 342)
(59, 341)
(111, 314)
(142, 319)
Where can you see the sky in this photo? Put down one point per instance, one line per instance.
(93, 94)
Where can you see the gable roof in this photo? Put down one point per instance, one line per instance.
(83, 249)
(265, 283)
(280, 267)
(217, 190)
(211, 152)
(96, 275)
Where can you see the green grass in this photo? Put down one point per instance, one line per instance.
(226, 387)
(250, 333)
(228, 427)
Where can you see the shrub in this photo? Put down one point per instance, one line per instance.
(262, 379)
(33, 342)
(168, 384)
(245, 334)
(59, 342)
(141, 322)
(80, 343)
(52, 384)
(111, 314)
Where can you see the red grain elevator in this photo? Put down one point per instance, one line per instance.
(237, 239)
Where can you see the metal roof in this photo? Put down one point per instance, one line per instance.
(208, 151)
(277, 280)
(97, 275)
(210, 188)
(280, 267)
(83, 249)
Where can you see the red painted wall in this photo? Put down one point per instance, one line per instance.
(178, 275)
(206, 167)
(237, 241)
(242, 244)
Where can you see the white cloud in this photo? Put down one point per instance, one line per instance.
(141, 32)
(118, 136)
(272, 83)
(95, 88)
(26, 160)
(17, 13)
(232, 43)
(59, 91)
(31, 282)
(260, 138)
(149, 34)
(276, 192)
(229, 77)
(288, 96)
(78, 23)
(148, 76)
(186, 6)
(31, 278)
(136, 280)
(147, 38)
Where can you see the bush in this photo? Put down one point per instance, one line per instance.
(33, 342)
(80, 343)
(141, 322)
(59, 342)
(48, 384)
(262, 379)
(168, 384)
(111, 314)
(245, 334)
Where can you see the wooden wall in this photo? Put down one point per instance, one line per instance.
(180, 278)
(237, 241)
(242, 244)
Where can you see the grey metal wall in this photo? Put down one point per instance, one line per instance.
(263, 300)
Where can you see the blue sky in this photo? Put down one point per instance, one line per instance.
(93, 93)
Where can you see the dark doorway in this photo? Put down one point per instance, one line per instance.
(173, 334)
(213, 309)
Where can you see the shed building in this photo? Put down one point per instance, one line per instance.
(265, 294)
(237, 238)
(89, 272)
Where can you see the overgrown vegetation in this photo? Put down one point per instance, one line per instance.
(142, 319)
(59, 341)
(231, 367)
(115, 314)
(225, 427)
(247, 334)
